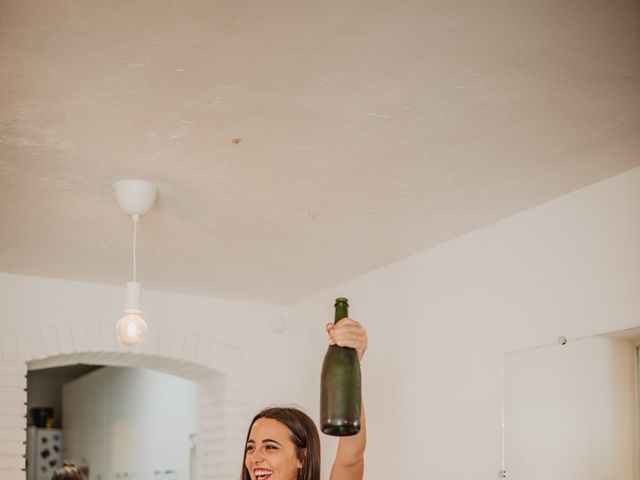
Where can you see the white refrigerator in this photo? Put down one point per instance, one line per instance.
(44, 450)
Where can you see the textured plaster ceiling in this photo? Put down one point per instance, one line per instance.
(297, 144)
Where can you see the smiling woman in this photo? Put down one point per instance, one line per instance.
(283, 442)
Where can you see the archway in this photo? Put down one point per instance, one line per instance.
(220, 405)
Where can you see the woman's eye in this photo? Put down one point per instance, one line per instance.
(249, 448)
(271, 447)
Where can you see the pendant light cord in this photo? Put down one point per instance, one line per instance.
(135, 231)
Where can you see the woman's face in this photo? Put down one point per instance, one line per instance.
(271, 455)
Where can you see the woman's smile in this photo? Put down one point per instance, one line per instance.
(262, 473)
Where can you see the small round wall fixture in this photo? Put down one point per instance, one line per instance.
(136, 197)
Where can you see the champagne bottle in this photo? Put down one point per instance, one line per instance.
(340, 386)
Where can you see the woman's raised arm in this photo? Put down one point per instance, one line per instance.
(349, 461)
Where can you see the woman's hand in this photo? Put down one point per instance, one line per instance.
(348, 333)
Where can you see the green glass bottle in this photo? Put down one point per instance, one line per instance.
(340, 386)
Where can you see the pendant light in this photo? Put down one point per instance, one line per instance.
(136, 197)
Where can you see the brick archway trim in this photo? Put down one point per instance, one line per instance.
(212, 364)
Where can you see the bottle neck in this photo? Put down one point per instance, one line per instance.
(342, 310)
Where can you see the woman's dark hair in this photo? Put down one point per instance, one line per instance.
(69, 471)
(304, 436)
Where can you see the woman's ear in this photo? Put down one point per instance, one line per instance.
(304, 456)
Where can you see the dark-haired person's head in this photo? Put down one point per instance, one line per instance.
(284, 441)
(68, 471)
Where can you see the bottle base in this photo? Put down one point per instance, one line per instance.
(340, 430)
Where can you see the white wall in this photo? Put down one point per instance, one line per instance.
(439, 322)
(42, 307)
(129, 420)
(44, 318)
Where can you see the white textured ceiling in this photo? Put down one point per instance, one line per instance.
(298, 143)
